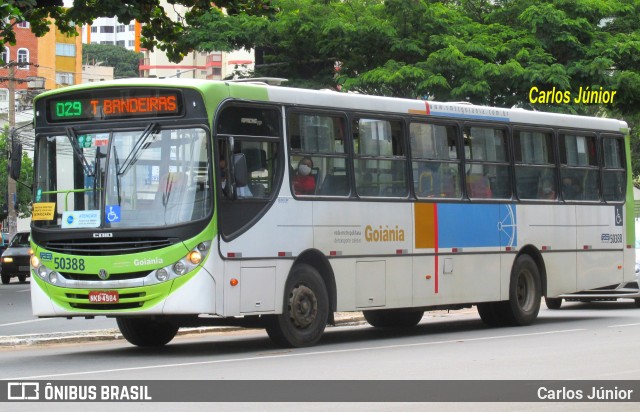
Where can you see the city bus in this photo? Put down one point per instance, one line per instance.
(179, 203)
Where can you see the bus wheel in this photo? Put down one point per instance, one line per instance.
(147, 332)
(524, 292)
(306, 310)
(553, 303)
(393, 318)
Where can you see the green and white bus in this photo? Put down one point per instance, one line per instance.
(179, 203)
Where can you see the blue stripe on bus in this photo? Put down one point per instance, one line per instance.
(476, 225)
(470, 116)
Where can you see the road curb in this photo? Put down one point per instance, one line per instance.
(105, 335)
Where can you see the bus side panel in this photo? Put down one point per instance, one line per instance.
(551, 230)
(382, 233)
(466, 240)
(600, 245)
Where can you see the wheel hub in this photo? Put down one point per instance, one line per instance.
(303, 306)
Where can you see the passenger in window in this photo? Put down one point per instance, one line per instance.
(570, 188)
(303, 182)
(547, 190)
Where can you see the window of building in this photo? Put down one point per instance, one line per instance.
(107, 42)
(106, 29)
(4, 95)
(120, 28)
(130, 43)
(4, 56)
(64, 78)
(132, 27)
(435, 160)
(23, 57)
(120, 43)
(94, 29)
(24, 25)
(65, 49)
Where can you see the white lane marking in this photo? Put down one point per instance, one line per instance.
(622, 326)
(290, 355)
(25, 321)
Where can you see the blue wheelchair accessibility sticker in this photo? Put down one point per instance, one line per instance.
(113, 213)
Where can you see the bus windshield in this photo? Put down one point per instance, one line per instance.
(121, 179)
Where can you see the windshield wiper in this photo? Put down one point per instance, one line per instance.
(71, 135)
(137, 149)
(117, 164)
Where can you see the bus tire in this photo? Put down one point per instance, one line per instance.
(305, 311)
(525, 292)
(147, 332)
(553, 303)
(393, 318)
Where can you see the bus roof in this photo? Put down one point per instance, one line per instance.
(355, 101)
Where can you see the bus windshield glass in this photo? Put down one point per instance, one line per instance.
(122, 179)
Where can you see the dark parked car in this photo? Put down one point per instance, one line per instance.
(15, 259)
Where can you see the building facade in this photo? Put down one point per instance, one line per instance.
(108, 30)
(18, 63)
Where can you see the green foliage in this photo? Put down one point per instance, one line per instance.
(125, 62)
(26, 177)
(158, 30)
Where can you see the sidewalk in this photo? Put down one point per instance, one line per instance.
(341, 318)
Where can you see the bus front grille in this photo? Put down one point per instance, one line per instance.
(93, 277)
(108, 247)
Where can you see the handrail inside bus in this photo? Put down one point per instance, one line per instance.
(67, 192)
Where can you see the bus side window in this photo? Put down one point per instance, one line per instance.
(318, 139)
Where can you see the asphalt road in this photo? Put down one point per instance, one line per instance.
(596, 341)
(17, 319)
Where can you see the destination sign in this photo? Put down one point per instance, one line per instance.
(116, 105)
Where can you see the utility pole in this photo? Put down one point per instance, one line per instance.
(11, 187)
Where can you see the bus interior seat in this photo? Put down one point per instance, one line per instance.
(335, 185)
(425, 184)
(256, 159)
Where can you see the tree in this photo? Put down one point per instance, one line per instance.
(125, 62)
(158, 30)
(24, 193)
(484, 52)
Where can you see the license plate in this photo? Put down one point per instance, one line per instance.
(23, 268)
(104, 296)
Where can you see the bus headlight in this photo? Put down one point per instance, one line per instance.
(35, 262)
(162, 275)
(53, 277)
(180, 268)
(42, 271)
